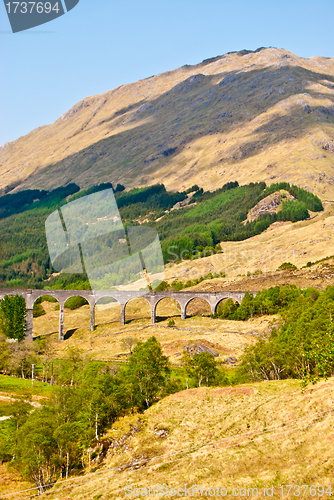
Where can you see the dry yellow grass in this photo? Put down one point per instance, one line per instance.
(105, 343)
(298, 243)
(11, 482)
(267, 133)
(250, 436)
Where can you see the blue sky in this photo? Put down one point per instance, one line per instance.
(101, 44)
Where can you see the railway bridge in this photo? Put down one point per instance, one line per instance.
(122, 297)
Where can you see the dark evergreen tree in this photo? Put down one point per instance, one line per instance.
(13, 313)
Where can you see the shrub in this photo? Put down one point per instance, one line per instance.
(38, 310)
(287, 266)
(75, 302)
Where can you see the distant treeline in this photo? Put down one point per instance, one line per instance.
(22, 201)
(216, 217)
(95, 189)
(219, 217)
(155, 197)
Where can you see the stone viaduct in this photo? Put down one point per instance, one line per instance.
(122, 297)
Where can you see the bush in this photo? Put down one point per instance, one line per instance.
(287, 266)
(75, 302)
(45, 298)
(38, 310)
(119, 188)
(162, 287)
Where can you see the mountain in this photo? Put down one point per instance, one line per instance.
(266, 115)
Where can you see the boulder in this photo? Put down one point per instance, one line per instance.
(198, 348)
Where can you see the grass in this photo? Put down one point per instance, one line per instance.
(250, 436)
(298, 243)
(268, 137)
(11, 482)
(105, 343)
(22, 387)
(5, 408)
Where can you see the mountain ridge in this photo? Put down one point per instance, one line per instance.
(253, 115)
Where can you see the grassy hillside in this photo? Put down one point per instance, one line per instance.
(250, 436)
(230, 434)
(194, 229)
(261, 116)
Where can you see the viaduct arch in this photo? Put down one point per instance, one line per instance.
(122, 297)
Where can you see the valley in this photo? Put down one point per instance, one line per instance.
(231, 162)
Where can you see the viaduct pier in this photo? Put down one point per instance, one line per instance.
(122, 297)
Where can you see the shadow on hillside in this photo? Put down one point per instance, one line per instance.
(69, 333)
(159, 319)
(199, 106)
(37, 337)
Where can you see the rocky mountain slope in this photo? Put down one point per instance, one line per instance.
(247, 116)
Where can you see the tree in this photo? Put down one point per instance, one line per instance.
(119, 188)
(148, 370)
(321, 356)
(204, 367)
(36, 455)
(19, 412)
(67, 437)
(227, 309)
(38, 310)
(246, 308)
(4, 354)
(128, 343)
(71, 367)
(187, 363)
(13, 313)
(263, 361)
(22, 356)
(46, 353)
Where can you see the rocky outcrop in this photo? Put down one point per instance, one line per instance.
(269, 205)
(198, 348)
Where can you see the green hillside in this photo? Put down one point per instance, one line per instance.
(190, 231)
